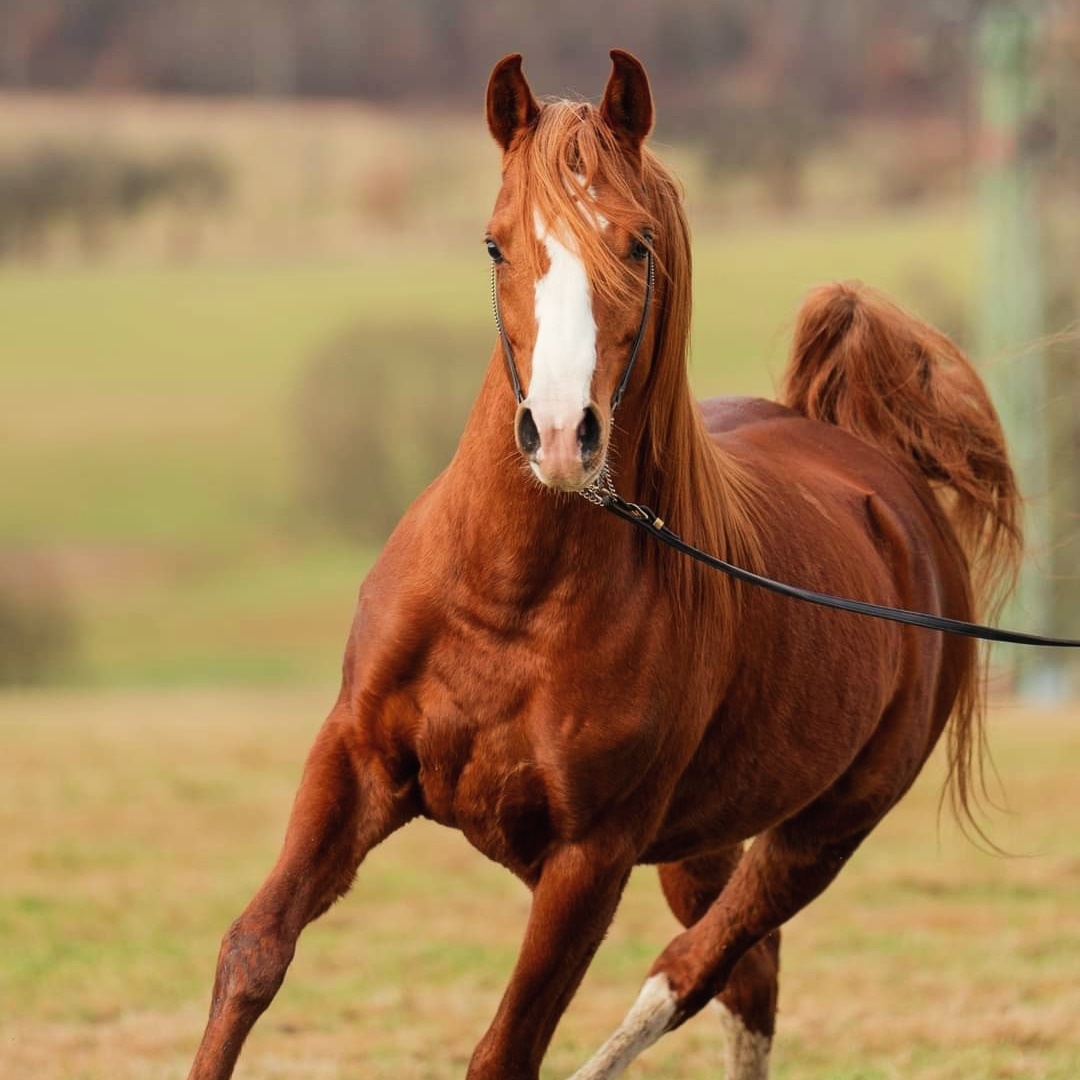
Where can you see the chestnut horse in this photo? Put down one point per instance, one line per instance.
(576, 698)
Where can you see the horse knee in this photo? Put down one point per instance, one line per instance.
(724, 962)
(251, 966)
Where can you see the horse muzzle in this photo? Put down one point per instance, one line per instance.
(564, 450)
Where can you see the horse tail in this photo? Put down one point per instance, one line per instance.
(864, 364)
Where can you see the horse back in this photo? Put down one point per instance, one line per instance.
(723, 414)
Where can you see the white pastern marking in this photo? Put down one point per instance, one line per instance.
(747, 1051)
(564, 357)
(646, 1021)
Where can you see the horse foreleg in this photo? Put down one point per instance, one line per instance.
(342, 809)
(573, 904)
(747, 1004)
(777, 876)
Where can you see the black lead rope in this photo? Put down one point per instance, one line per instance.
(644, 518)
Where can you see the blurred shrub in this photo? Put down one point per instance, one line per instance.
(771, 141)
(384, 194)
(194, 176)
(38, 629)
(94, 187)
(378, 413)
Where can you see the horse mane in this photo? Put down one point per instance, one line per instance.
(564, 156)
(706, 495)
(703, 494)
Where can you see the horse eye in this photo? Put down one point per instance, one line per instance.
(640, 248)
(493, 250)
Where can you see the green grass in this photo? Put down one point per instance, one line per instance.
(278, 617)
(148, 444)
(750, 282)
(152, 406)
(137, 825)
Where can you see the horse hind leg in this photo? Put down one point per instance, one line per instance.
(782, 871)
(747, 1010)
(779, 874)
(339, 814)
(746, 1006)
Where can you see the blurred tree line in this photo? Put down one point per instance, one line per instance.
(93, 187)
(836, 56)
(759, 84)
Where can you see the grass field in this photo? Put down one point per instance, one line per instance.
(137, 824)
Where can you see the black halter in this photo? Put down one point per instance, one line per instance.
(620, 390)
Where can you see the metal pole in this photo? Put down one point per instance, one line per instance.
(1012, 319)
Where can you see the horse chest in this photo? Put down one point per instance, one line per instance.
(486, 783)
(517, 764)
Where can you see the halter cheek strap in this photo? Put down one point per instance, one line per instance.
(624, 381)
(508, 352)
(650, 280)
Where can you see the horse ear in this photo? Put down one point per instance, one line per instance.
(627, 107)
(510, 103)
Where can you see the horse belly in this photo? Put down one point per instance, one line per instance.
(769, 753)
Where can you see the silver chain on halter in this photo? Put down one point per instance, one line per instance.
(601, 489)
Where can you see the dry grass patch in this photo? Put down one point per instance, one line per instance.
(137, 825)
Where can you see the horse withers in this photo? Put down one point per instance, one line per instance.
(577, 699)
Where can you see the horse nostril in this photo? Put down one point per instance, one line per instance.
(528, 436)
(589, 433)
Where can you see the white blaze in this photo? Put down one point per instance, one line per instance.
(564, 357)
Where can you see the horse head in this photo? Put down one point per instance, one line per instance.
(571, 239)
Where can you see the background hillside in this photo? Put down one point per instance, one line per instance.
(221, 221)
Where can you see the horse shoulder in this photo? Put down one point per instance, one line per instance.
(477, 700)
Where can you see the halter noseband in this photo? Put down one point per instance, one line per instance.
(620, 390)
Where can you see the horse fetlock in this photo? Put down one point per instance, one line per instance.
(747, 1051)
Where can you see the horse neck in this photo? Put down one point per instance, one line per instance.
(502, 520)
(679, 471)
(507, 525)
